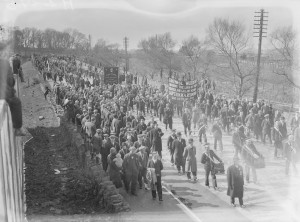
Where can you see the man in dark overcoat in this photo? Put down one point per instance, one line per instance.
(155, 139)
(178, 146)
(131, 166)
(170, 140)
(235, 181)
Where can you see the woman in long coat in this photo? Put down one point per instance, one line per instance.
(189, 154)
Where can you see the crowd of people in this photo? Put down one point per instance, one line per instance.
(112, 120)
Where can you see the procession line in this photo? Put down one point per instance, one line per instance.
(183, 207)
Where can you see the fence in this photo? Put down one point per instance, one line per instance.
(11, 169)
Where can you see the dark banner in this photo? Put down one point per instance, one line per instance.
(111, 75)
(181, 90)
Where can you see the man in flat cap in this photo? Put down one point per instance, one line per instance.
(143, 169)
(238, 140)
(217, 134)
(170, 140)
(97, 144)
(97, 116)
(141, 126)
(131, 166)
(140, 142)
(155, 139)
(106, 145)
(295, 121)
(114, 143)
(235, 181)
(266, 129)
(178, 146)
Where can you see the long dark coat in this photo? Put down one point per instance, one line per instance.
(178, 148)
(235, 181)
(189, 154)
(114, 172)
(168, 116)
(155, 139)
(258, 119)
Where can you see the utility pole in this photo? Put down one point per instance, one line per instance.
(126, 55)
(90, 43)
(260, 25)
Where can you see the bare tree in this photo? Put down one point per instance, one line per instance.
(230, 39)
(195, 55)
(284, 42)
(159, 52)
(109, 53)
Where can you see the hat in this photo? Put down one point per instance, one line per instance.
(206, 144)
(249, 141)
(112, 137)
(113, 150)
(178, 133)
(267, 115)
(191, 140)
(142, 148)
(105, 135)
(132, 148)
(98, 130)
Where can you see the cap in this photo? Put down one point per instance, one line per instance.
(267, 115)
(142, 148)
(113, 150)
(132, 148)
(112, 137)
(206, 145)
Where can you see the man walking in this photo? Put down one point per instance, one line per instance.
(131, 168)
(178, 146)
(235, 181)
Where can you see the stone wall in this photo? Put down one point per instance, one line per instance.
(108, 196)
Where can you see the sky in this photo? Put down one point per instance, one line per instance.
(112, 20)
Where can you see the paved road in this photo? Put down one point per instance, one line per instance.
(275, 197)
